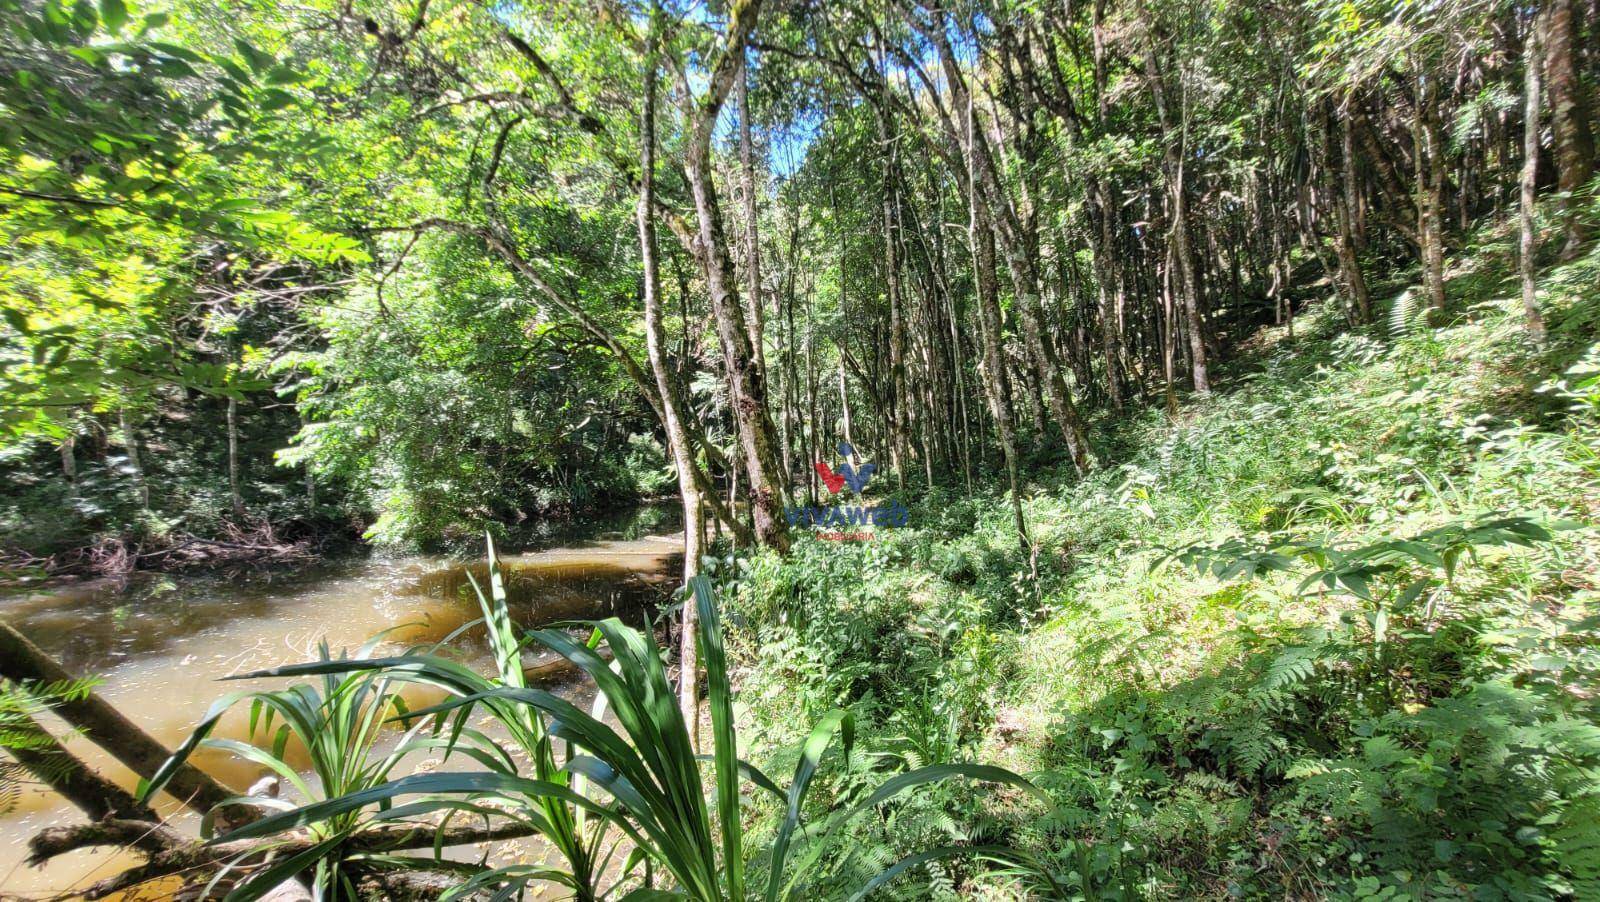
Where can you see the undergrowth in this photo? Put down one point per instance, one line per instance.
(1327, 633)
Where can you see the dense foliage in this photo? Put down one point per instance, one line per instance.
(1292, 647)
(1229, 371)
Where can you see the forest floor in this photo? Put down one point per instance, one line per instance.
(1327, 632)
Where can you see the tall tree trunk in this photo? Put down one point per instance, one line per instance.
(1105, 278)
(746, 386)
(1343, 184)
(811, 435)
(1528, 238)
(1429, 187)
(844, 406)
(311, 478)
(69, 461)
(1169, 334)
(1194, 321)
(1570, 118)
(995, 384)
(900, 408)
(844, 386)
(1001, 216)
(755, 303)
(677, 436)
(1173, 142)
(1107, 271)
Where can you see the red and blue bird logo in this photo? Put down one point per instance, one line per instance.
(856, 477)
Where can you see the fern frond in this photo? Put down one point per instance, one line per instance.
(1406, 315)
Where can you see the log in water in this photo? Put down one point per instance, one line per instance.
(162, 643)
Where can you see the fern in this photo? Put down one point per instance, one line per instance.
(1406, 315)
(1291, 668)
(1251, 747)
(19, 706)
(1577, 845)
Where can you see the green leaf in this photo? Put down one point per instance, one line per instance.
(284, 75)
(259, 61)
(911, 861)
(811, 752)
(16, 320)
(268, 880)
(724, 740)
(182, 53)
(470, 784)
(113, 15)
(275, 99)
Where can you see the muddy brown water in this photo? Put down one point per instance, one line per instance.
(163, 644)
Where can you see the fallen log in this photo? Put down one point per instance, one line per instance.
(118, 819)
(139, 834)
(22, 662)
(48, 760)
(556, 670)
(169, 852)
(171, 847)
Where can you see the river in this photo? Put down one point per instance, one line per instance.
(161, 645)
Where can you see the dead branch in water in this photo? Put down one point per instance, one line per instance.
(94, 795)
(23, 662)
(170, 853)
(256, 543)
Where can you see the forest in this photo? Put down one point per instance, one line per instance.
(799, 449)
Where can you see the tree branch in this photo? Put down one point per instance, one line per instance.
(24, 662)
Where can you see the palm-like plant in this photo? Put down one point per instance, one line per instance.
(338, 722)
(544, 806)
(653, 782)
(652, 774)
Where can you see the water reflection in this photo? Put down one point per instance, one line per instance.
(162, 643)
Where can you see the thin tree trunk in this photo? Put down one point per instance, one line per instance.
(1344, 203)
(311, 479)
(998, 213)
(755, 304)
(1105, 278)
(746, 386)
(1527, 245)
(900, 408)
(1169, 334)
(69, 462)
(811, 435)
(234, 495)
(1429, 187)
(994, 378)
(1023, 268)
(1173, 141)
(844, 406)
(130, 444)
(677, 436)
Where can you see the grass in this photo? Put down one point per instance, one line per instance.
(1249, 736)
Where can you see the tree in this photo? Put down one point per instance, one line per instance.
(1528, 234)
(1571, 119)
